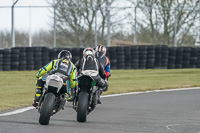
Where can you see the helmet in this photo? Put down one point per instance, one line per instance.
(88, 51)
(65, 54)
(101, 48)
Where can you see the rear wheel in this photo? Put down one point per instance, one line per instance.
(82, 106)
(46, 109)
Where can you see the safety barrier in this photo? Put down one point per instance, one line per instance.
(128, 57)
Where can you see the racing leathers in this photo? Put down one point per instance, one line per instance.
(105, 63)
(61, 66)
(90, 63)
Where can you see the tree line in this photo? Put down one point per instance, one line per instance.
(157, 22)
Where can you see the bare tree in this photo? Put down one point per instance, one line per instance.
(76, 21)
(165, 17)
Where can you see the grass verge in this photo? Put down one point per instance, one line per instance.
(17, 88)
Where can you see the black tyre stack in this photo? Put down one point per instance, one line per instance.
(134, 57)
(158, 57)
(1, 60)
(198, 59)
(150, 57)
(6, 59)
(29, 58)
(164, 56)
(22, 58)
(113, 57)
(186, 57)
(52, 54)
(75, 54)
(37, 54)
(15, 59)
(81, 53)
(45, 56)
(171, 58)
(179, 57)
(193, 57)
(120, 57)
(127, 53)
(128, 57)
(142, 56)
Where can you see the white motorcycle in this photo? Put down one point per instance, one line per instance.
(51, 100)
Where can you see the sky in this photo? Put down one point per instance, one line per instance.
(30, 19)
(26, 19)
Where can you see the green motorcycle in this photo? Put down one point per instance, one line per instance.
(85, 97)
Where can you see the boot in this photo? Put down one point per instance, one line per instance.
(71, 96)
(99, 92)
(37, 98)
(98, 100)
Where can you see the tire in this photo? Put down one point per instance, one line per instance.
(82, 106)
(46, 109)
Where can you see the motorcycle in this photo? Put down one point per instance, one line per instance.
(85, 99)
(51, 100)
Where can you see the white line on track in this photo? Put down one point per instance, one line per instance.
(131, 93)
(17, 111)
(169, 127)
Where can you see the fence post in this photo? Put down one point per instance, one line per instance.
(13, 25)
(175, 28)
(55, 6)
(108, 22)
(54, 36)
(96, 33)
(30, 33)
(135, 26)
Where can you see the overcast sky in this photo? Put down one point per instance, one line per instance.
(25, 18)
(35, 19)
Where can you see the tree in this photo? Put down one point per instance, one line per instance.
(5, 39)
(76, 21)
(162, 17)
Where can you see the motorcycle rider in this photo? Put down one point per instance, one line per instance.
(62, 65)
(101, 56)
(90, 63)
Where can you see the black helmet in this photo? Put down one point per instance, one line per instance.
(65, 54)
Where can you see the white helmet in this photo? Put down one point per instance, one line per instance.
(101, 48)
(88, 51)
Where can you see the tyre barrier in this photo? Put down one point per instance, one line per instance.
(150, 57)
(6, 60)
(120, 57)
(134, 57)
(127, 57)
(171, 58)
(198, 59)
(1, 60)
(113, 57)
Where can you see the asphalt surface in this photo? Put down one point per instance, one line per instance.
(156, 112)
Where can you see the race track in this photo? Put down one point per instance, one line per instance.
(154, 112)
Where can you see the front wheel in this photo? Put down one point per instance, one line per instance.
(46, 109)
(82, 106)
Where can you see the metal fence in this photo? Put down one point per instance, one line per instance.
(126, 24)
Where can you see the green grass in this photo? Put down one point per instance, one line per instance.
(17, 88)
(152, 79)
